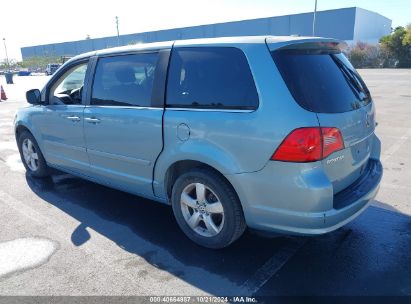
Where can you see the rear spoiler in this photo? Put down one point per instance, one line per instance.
(305, 43)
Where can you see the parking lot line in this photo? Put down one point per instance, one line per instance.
(396, 146)
(274, 264)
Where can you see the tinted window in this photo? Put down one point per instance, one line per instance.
(323, 82)
(211, 78)
(124, 80)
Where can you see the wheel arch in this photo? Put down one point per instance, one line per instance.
(19, 129)
(180, 167)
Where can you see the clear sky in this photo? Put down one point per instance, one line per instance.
(33, 22)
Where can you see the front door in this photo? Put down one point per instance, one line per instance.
(123, 130)
(61, 122)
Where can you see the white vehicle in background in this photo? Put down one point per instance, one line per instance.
(51, 68)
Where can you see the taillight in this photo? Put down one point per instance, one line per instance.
(332, 141)
(309, 144)
(301, 145)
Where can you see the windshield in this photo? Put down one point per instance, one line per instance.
(322, 81)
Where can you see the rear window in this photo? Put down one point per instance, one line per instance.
(211, 78)
(322, 81)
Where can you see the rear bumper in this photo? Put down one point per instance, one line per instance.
(278, 200)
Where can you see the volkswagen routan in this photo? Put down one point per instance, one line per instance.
(272, 133)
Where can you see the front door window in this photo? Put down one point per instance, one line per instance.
(68, 89)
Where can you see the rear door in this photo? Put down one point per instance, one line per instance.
(123, 121)
(323, 81)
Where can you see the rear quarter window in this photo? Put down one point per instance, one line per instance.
(211, 78)
(322, 81)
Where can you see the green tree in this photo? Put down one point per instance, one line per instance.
(399, 46)
(39, 62)
(364, 55)
(407, 37)
(12, 63)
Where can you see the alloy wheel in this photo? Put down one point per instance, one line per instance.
(202, 209)
(30, 154)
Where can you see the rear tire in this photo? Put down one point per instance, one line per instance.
(31, 155)
(207, 208)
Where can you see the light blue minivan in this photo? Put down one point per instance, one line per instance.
(271, 133)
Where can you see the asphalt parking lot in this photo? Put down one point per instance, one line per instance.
(67, 236)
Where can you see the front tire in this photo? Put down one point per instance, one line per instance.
(31, 155)
(207, 208)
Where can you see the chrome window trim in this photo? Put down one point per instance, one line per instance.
(124, 107)
(172, 109)
(210, 110)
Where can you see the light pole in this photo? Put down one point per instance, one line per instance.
(118, 33)
(7, 56)
(314, 15)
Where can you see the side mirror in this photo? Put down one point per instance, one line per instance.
(33, 96)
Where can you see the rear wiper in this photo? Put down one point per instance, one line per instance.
(358, 84)
(353, 81)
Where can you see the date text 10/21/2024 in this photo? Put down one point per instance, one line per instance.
(202, 299)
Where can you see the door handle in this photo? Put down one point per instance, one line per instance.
(73, 118)
(92, 120)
